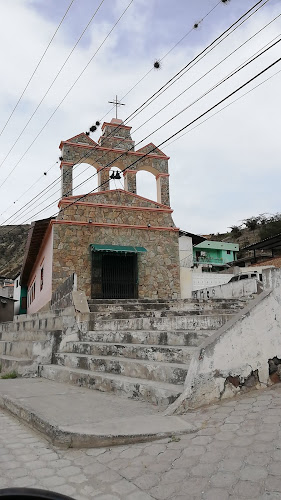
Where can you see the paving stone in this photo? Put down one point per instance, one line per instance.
(193, 451)
(275, 469)
(230, 465)
(258, 459)
(203, 470)
(211, 457)
(216, 494)
(223, 479)
(50, 482)
(273, 483)
(253, 473)
(247, 489)
(123, 487)
(147, 481)
(193, 486)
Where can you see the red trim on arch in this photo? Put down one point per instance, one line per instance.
(117, 226)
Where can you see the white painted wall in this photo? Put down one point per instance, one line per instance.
(202, 280)
(232, 290)
(186, 261)
(17, 289)
(243, 345)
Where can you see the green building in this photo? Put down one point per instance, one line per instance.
(214, 254)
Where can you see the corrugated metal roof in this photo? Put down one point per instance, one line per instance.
(218, 245)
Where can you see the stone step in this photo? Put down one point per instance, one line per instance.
(126, 314)
(157, 393)
(187, 322)
(178, 305)
(12, 363)
(25, 348)
(148, 337)
(172, 373)
(34, 335)
(33, 325)
(169, 354)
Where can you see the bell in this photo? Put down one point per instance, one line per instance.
(112, 176)
(117, 175)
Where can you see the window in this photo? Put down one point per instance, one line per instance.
(31, 293)
(41, 278)
(228, 252)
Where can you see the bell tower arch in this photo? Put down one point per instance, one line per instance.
(115, 147)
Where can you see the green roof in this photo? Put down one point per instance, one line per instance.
(218, 245)
(117, 248)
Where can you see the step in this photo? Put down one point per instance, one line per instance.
(186, 322)
(172, 373)
(170, 354)
(157, 393)
(24, 348)
(37, 335)
(115, 305)
(149, 337)
(127, 314)
(17, 364)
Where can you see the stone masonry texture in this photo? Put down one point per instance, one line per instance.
(158, 268)
(235, 455)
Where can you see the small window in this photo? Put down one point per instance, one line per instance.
(41, 278)
(228, 252)
(17, 283)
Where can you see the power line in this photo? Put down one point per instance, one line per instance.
(137, 110)
(51, 85)
(166, 55)
(36, 67)
(116, 128)
(199, 57)
(68, 92)
(175, 134)
(211, 69)
(239, 68)
(224, 107)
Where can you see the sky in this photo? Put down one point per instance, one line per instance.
(222, 171)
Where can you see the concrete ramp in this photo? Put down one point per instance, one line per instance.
(71, 416)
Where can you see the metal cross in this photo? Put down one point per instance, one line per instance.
(116, 104)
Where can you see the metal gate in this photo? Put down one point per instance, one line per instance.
(114, 275)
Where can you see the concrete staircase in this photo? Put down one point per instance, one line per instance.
(27, 342)
(139, 348)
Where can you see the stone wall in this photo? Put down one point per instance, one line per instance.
(158, 268)
(237, 356)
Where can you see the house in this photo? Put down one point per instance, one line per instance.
(198, 255)
(119, 244)
(214, 255)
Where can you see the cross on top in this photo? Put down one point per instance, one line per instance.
(116, 104)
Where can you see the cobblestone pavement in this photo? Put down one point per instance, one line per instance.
(236, 455)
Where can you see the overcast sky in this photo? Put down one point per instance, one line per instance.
(223, 171)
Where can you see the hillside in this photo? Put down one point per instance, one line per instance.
(12, 246)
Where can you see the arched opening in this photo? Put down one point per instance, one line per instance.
(146, 185)
(115, 182)
(85, 179)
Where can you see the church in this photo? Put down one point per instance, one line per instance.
(119, 244)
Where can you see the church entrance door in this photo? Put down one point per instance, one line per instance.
(114, 276)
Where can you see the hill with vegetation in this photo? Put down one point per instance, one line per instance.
(251, 230)
(12, 245)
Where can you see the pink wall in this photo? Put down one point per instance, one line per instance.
(44, 259)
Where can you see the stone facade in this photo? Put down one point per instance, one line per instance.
(115, 149)
(118, 218)
(115, 218)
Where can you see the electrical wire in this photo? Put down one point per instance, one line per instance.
(257, 75)
(36, 67)
(241, 66)
(68, 92)
(166, 55)
(210, 70)
(224, 107)
(198, 58)
(84, 157)
(51, 85)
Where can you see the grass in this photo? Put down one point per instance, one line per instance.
(10, 375)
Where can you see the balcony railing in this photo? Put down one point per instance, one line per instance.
(207, 260)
